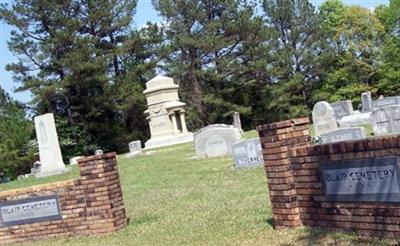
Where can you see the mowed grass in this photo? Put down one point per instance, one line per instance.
(173, 199)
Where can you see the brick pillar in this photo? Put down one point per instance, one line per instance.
(105, 210)
(276, 140)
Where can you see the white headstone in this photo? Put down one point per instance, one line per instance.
(323, 118)
(355, 120)
(49, 148)
(214, 141)
(165, 113)
(247, 153)
(366, 100)
(135, 149)
(237, 122)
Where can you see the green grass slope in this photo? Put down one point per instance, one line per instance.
(172, 199)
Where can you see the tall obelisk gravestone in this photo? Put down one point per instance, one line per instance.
(49, 148)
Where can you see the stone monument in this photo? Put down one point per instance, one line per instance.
(247, 153)
(49, 148)
(386, 120)
(237, 122)
(215, 140)
(135, 149)
(342, 108)
(366, 100)
(323, 118)
(165, 113)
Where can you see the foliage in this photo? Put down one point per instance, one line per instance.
(355, 34)
(207, 50)
(82, 62)
(390, 68)
(267, 59)
(299, 52)
(16, 155)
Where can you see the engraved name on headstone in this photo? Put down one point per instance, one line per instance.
(343, 134)
(386, 120)
(32, 210)
(362, 180)
(247, 153)
(342, 108)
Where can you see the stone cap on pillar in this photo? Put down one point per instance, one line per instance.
(284, 124)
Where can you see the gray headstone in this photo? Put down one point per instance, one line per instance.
(343, 134)
(366, 100)
(214, 141)
(247, 153)
(387, 101)
(237, 123)
(342, 108)
(386, 120)
(323, 118)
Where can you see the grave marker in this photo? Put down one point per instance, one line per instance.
(323, 118)
(247, 153)
(49, 149)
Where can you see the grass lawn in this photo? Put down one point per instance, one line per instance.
(172, 199)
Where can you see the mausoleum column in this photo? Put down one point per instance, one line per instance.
(183, 122)
(174, 123)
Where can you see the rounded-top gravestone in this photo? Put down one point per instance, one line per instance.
(323, 118)
(215, 140)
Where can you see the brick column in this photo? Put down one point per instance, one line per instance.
(276, 140)
(105, 210)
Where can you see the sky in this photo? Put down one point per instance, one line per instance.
(144, 12)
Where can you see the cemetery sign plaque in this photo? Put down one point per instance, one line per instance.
(31, 210)
(362, 180)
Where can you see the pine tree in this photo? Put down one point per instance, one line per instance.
(299, 56)
(203, 50)
(16, 131)
(77, 57)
